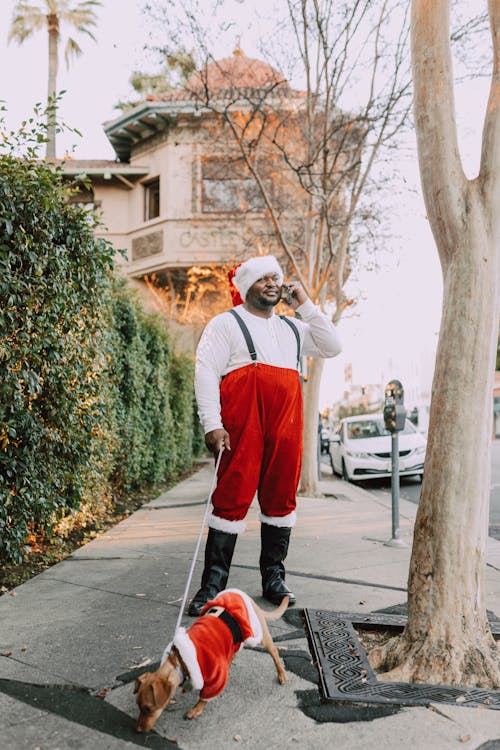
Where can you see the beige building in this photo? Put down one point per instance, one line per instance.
(214, 172)
(178, 194)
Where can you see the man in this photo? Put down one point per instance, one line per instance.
(249, 399)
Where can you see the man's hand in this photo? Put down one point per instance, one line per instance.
(216, 439)
(297, 294)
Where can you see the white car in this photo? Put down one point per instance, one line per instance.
(361, 449)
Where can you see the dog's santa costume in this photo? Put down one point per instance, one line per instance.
(247, 382)
(209, 646)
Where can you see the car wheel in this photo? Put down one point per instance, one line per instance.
(345, 475)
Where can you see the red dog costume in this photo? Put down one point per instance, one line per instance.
(208, 648)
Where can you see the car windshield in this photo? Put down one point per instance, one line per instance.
(370, 428)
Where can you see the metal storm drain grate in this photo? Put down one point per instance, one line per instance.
(346, 675)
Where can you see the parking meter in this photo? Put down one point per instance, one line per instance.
(394, 420)
(394, 410)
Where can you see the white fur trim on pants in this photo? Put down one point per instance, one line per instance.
(282, 521)
(222, 524)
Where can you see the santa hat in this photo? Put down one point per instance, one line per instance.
(235, 295)
(243, 276)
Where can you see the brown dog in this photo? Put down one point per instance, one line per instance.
(204, 654)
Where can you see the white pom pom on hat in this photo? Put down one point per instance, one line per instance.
(253, 269)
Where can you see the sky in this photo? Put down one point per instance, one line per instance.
(398, 315)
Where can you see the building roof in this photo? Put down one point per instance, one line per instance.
(105, 169)
(144, 121)
(235, 77)
(231, 76)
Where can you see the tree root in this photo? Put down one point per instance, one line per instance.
(433, 661)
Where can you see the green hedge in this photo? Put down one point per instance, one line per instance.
(144, 371)
(93, 401)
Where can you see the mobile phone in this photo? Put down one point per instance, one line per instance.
(287, 294)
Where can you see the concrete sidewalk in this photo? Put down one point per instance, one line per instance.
(78, 634)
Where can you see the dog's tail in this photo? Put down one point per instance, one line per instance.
(275, 614)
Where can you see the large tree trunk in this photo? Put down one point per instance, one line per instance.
(447, 639)
(53, 30)
(309, 475)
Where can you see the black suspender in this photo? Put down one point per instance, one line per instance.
(297, 336)
(249, 340)
(246, 334)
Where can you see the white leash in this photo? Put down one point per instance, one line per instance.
(200, 535)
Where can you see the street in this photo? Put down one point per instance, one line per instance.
(410, 489)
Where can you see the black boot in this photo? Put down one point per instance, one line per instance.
(274, 548)
(218, 555)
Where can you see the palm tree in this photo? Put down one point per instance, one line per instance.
(29, 18)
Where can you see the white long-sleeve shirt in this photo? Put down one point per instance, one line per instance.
(222, 348)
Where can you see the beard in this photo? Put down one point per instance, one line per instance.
(268, 301)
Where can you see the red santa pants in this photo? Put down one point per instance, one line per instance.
(261, 409)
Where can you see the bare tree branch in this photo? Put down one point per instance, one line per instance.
(435, 113)
(489, 173)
